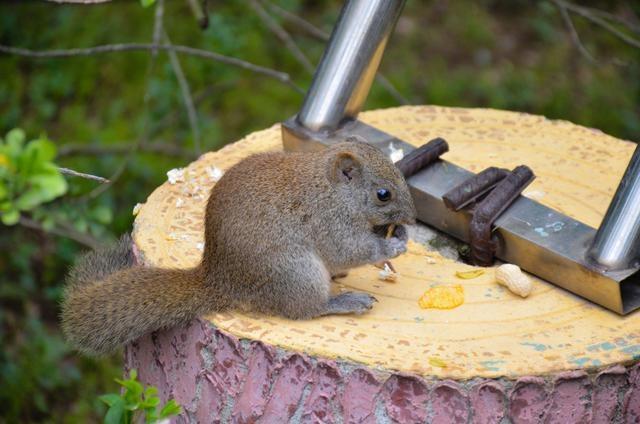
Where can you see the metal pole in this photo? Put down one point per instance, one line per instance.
(343, 78)
(617, 242)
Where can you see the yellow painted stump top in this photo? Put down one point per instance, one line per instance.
(494, 333)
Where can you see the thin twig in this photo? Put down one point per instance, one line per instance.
(391, 89)
(66, 231)
(608, 15)
(321, 35)
(117, 173)
(67, 171)
(199, 13)
(575, 37)
(198, 97)
(88, 2)
(311, 29)
(283, 77)
(283, 35)
(589, 15)
(119, 149)
(158, 25)
(186, 96)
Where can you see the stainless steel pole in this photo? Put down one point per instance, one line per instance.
(617, 243)
(349, 64)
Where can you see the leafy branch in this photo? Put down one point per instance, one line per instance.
(28, 176)
(137, 403)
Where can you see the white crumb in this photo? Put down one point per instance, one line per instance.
(215, 173)
(387, 274)
(136, 209)
(179, 202)
(174, 236)
(396, 154)
(535, 194)
(200, 246)
(176, 175)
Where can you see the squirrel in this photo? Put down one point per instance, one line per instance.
(278, 227)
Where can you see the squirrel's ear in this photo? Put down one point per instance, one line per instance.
(344, 167)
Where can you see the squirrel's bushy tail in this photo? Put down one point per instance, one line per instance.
(110, 301)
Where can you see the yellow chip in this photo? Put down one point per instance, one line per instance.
(437, 362)
(442, 297)
(467, 275)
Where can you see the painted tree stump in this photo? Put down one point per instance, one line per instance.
(551, 357)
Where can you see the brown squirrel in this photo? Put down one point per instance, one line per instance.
(278, 227)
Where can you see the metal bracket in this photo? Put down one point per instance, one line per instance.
(600, 266)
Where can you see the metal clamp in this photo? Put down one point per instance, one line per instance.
(501, 188)
(422, 157)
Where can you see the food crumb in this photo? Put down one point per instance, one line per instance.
(467, 275)
(387, 274)
(215, 173)
(179, 202)
(534, 194)
(396, 154)
(176, 175)
(437, 362)
(136, 209)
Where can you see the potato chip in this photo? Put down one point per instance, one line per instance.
(467, 275)
(442, 297)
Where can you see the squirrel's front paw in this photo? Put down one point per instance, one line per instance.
(350, 303)
(400, 232)
(394, 247)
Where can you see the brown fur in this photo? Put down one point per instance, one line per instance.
(277, 226)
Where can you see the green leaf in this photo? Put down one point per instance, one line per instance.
(51, 183)
(133, 387)
(11, 217)
(30, 199)
(115, 414)
(170, 409)
(132, 406)
(13, 145)
(147, 3)
(4, 161)
(110, 399)
(151, 402)
(16, 137)
(43, 149)
(151, 391)
(43, 189)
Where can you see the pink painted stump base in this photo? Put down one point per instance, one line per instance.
(217, 377)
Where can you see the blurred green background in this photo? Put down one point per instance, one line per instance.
(123, 115)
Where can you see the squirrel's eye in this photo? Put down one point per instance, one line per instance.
(383, 194)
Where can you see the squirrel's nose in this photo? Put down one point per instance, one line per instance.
(410, 212)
